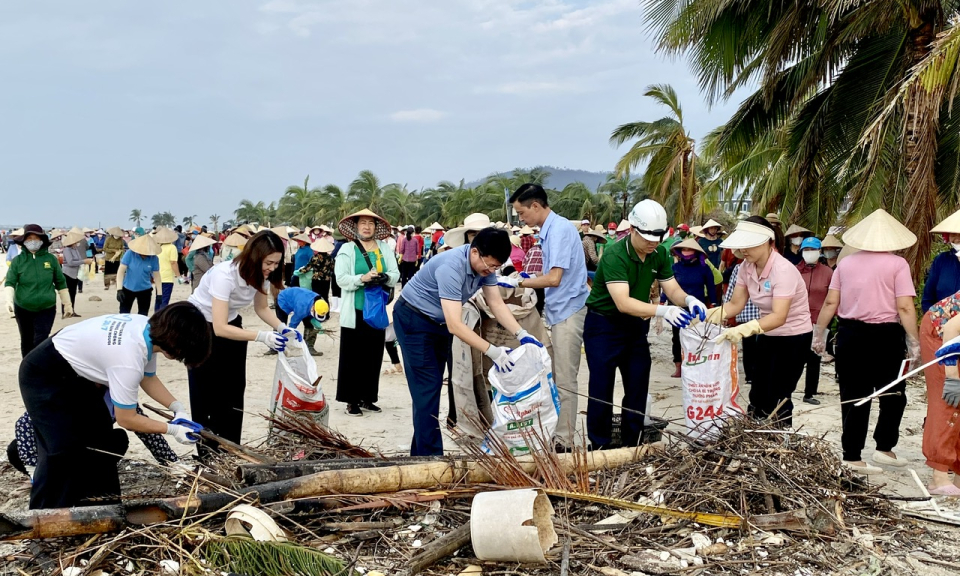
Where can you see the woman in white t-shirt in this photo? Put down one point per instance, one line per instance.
(217, 387)
(62, 384)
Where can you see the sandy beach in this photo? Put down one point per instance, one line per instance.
(391, 430)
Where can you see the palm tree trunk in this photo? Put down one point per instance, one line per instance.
(921, 121)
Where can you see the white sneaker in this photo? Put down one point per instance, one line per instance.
(864, 469)
(881, 458)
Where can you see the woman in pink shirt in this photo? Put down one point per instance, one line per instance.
(410, 251)
(872, 294)
(784, 331)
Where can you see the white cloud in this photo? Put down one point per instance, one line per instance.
(418, 115)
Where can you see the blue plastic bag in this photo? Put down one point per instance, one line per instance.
(375, 300)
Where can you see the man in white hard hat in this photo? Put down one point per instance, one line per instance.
(564, 281)
(615, 331)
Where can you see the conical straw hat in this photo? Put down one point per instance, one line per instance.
(831, 241)
(690, 243)
(165, 236)
(793, 230)
(201, 242)
(949, 225)
(711, 223)
(348, 226)
(879, 232)
(303, 238)
(322, 245)
(235, 240)
(624, 226)
(115, 231)
(72, 238)
(436, 226)
(145, 246)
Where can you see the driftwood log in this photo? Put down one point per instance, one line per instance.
(255, 474)
(103, 519)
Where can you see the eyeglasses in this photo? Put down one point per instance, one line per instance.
(658, 233)
(489, 264)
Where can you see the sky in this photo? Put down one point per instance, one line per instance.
(191, 106)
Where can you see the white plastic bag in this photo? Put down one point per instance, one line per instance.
(293, 385)
(711, 379)
(526, 404)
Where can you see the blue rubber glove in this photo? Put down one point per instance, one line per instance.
(525, 338)
(696, 308)
(949, 347)
(288, 333)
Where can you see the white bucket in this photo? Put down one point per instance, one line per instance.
(512, 526)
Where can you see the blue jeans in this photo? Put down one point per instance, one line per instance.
(164, 299)
(616, 342)
(424, 345)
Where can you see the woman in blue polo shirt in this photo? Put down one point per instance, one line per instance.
(138, 268)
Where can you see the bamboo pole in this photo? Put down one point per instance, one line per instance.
(103, 519)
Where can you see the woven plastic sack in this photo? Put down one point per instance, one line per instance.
(293, 385)
(526, 405)
(711, 379)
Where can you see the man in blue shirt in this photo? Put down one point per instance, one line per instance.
(564, 281)
(428, 314)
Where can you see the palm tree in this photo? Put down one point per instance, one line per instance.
(214, 221)
(623, 190)
(669, 149)
(332, 205)
(399, 205)
(260, 213)
(164, 219)
(576, 201)
(136, 215)
(840, 113)
(188, 220)
(299, 204)
(366, 192)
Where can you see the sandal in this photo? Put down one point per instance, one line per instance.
(946, 490)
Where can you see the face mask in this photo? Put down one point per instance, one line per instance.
(796, 241)
(811, 257)
(688, 257)
(830, 254)
(33, 245)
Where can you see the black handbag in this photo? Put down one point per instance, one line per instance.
(382, 279)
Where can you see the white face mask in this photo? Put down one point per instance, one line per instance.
(810, 257)
(830, 254)
(796, 241)
(33, 245)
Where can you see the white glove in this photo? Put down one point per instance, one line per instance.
(65, 301)
(501, 358)
(913, 350)
(273, 340)
(182, 434)
(508, 281)
(819, 340)
(696, 308)
(289, 332)
(179, 410)
(674, 315)
(10, 293)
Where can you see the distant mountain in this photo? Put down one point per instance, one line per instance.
(560, 177)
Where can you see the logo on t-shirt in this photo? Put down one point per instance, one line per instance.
(46, 265)
(767, 287)
(114, 326)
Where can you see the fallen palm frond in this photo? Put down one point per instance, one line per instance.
(323, 438)
(246, 556)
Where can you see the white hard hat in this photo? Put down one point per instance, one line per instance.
(650, 220)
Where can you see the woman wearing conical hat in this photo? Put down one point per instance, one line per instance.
(113, 248)
(872, 293)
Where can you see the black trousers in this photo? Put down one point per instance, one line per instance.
(779, 364)
(72, 284)
(677, 354)
(72, 427)
(358, 376)
(392, 352)
(182, 264)
(217, 387)
(142, 298)
(321, 288)
(812, 379)
(407, 270)
(748, 348)
(288, 273)
(611, 343)
(869, 357)
(334, 287)
(34, 327)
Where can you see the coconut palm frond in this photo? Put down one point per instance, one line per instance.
(247, 556)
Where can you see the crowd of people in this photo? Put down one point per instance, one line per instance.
(790, 302)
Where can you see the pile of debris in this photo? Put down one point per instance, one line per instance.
(309, 502)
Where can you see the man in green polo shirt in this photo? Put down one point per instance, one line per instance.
(618, 318)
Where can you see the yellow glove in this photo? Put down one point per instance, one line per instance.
(10, 293)
(738, 333)
(714, 316)
(65, 301)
